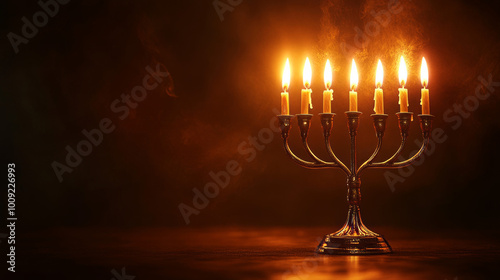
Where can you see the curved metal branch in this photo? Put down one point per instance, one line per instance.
(369, 160)
(339, 163)
(312, 155)
(398, 152)
(426, 127)
(404, 119)
(379, 121)
(409, 161)
(404, 163)
(304, 125)
(304, 163)
(392, 158)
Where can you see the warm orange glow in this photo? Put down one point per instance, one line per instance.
(354, 76)
(328, 75)
(379, 79)
(286, 76)
(424, 73)
(307, 74)
(403, 74)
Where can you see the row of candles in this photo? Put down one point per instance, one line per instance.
(306, 99)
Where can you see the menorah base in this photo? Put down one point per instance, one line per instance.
(353, 245)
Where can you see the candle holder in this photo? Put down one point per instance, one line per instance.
(354, 238)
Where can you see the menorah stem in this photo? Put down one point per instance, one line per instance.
(353, 155)
(352, 125)
(354, 237)
(353, 191)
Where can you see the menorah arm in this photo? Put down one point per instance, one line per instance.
(327, 124)
(409, 161)
(390, 162)
(312, 155)
(304, 163)
(386, 163)
(335, 159)
(379, 121)
(426, 127)
(398, 152)
(370, 159)
(304, 123)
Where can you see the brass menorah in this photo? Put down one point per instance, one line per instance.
(354, 238)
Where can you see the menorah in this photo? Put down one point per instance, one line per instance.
(354, 238)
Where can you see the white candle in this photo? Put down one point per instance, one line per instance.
(305, 95)
(424, 101)
(285, 110)
(328, 93)
(403, 92)
(353, 95)
(379, 93)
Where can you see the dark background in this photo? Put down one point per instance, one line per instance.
(226, 80)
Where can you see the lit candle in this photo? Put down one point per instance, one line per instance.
(306, 93)
(424, 101)
(379, 93)
(285, 84)
(403, 92)
(353, 95)
(328, 93)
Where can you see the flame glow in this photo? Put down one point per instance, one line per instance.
(354, 76)
(379, 79)
(307, 73)
(286, 76)
(328, 75)
(403, 74)
(424, 73)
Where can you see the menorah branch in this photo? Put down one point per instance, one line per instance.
(404, 125)
(327, 124)
(285, 125)
(379, 121)
(304, 122)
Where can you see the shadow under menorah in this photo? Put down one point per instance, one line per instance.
(354, 238)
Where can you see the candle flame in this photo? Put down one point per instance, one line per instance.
(354, 76)
(328, 75)
(286, 76)
(307, 73)
(424, 73)
(403, 74)
(379, 79)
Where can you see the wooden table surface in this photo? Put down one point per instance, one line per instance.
(249, 253)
